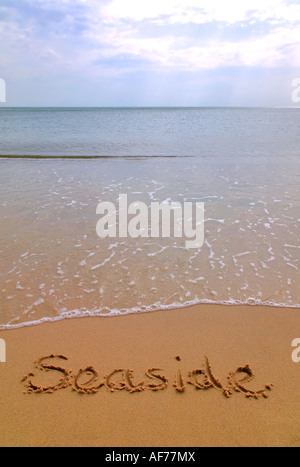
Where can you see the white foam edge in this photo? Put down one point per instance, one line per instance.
(146, 309)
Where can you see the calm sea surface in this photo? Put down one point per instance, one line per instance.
(59, 164)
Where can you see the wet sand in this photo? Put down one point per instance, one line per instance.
(235, 381)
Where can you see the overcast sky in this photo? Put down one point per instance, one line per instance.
(149, 52)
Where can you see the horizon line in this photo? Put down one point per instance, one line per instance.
(152, 107)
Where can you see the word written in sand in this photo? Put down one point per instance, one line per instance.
(87, 381)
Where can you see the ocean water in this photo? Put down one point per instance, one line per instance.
(56, 166)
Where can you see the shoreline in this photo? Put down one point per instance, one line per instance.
(155, 414)
(113, 314)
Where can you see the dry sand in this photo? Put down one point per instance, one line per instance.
(231, 337)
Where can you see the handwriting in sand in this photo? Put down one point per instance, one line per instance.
(87, 381)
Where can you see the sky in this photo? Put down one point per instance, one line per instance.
(149, 52)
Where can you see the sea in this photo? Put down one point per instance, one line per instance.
(58, 164)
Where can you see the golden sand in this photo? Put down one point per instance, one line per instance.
(203, 376)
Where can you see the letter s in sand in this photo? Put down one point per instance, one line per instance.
(41, 365)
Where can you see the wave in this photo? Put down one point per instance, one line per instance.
(81, 157)
(106, 313)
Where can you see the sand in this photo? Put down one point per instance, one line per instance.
(210, 352)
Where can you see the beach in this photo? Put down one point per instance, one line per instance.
(143, 336)
(175, 346)
(149, 226)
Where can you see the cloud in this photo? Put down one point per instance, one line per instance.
(201, 11)
(170, 33)
(174, 37)
(142, 41)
